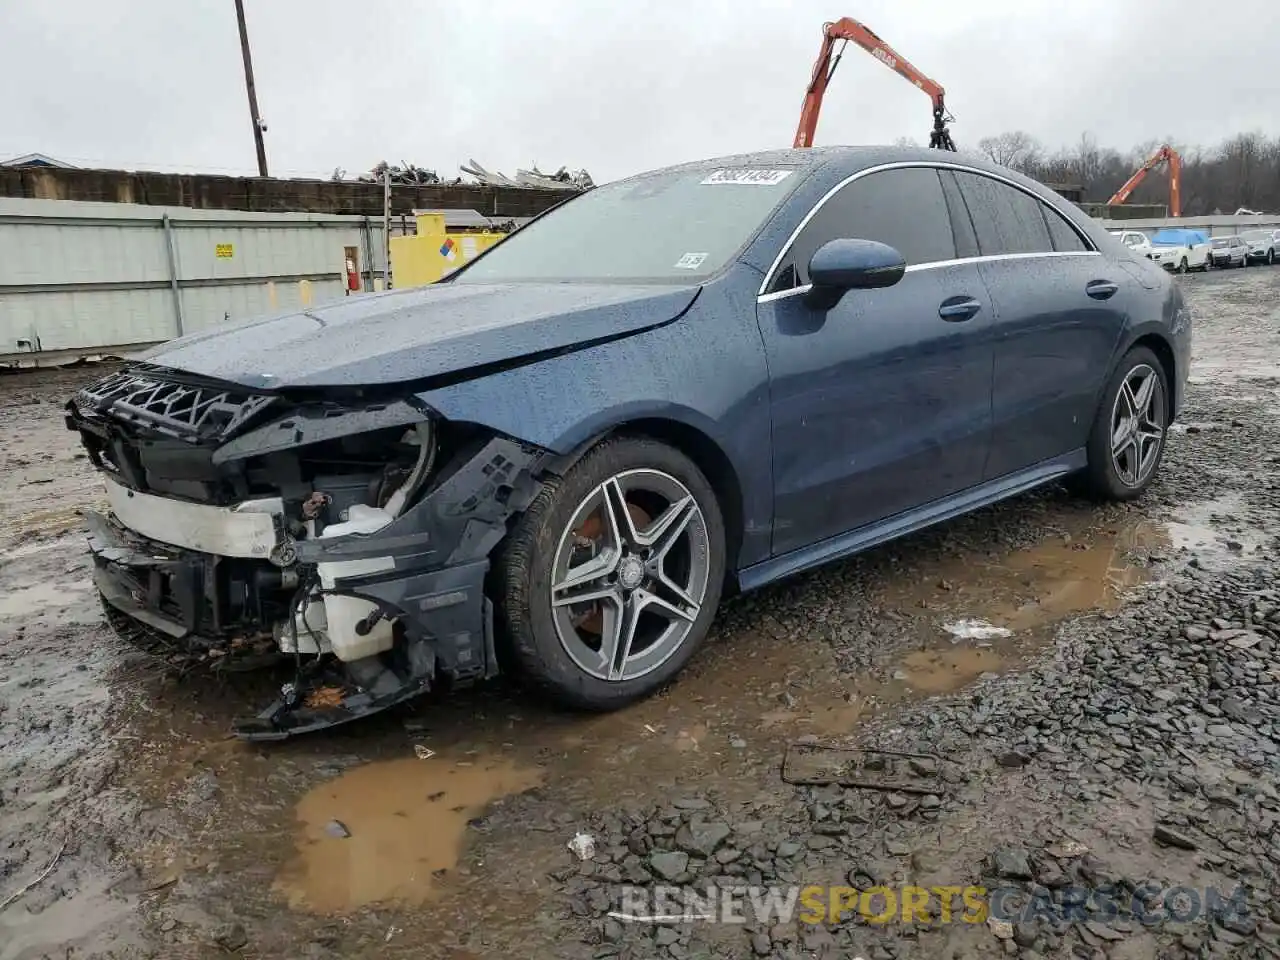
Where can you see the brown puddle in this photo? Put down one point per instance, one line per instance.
(1039, 585)
(406, 820)
(943, 671)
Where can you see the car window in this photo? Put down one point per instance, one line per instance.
(1065, 237)
(904, 208)
(961, 224)
(1005, 219)
(674, 226)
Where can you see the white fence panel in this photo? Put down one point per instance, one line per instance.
(86, 278)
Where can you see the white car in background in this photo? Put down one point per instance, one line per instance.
(1264, 245)
(1179, 250)
(1135, 240)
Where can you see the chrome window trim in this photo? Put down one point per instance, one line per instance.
(916, 268)
(932, 165)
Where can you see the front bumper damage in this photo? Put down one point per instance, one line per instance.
(235, 585)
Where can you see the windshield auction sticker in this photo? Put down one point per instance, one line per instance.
(761, 178)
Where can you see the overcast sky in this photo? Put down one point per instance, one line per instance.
(616, 86)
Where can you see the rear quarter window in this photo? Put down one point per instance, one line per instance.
(1006, 220)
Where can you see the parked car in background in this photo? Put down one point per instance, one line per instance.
(1230, 251)
(540, 465)
(1179, 250)
(1263, 245)
(1135, 240)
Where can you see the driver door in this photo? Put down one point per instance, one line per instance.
(882, 403)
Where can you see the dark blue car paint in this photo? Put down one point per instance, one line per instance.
(879, 405)
(421, 333)
(1052, 344)
(706, 371)
(831, 452)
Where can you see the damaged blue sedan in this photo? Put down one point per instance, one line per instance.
(558, 460)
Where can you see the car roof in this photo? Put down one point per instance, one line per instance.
(850, 158)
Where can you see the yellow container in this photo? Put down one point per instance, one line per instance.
(436, 251)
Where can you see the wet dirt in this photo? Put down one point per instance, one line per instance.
(172, 830)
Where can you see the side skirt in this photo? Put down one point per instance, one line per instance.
(910, 521)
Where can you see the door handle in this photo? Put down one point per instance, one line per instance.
(1101, 289)
(958, 309)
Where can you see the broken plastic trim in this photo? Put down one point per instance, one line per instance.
(440, 545)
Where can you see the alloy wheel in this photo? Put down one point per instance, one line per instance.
(1137, 425)
(630, 575)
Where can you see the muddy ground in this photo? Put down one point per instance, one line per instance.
(1126, 733)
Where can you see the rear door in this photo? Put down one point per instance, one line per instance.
(881, 403)
(1059, 312)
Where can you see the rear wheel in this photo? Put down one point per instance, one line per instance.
(611, 578)
(1128, 436)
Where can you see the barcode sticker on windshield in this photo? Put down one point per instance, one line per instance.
(761, 178)
(690, 261)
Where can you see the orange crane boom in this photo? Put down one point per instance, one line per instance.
(847, 29)
(1166, 154)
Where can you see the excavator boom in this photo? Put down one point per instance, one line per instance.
(847, 29)
(1166, 154)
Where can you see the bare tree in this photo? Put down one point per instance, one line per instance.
(1243, 171)
(1017, 150)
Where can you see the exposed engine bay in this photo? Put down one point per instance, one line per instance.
(350, 537)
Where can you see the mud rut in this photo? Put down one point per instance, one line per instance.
(1139, 690)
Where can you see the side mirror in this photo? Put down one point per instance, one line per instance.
(840, 265)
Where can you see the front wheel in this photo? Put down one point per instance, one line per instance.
(1182, 266)
(1128, 436)
(610, 580)
(1271, 258)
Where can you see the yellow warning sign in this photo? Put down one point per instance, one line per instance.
(224, 251)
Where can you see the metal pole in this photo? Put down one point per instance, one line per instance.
(258, 126)
(386, 224)
(180, 321)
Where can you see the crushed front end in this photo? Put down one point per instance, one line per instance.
(350, 536)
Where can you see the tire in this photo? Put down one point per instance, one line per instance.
(1271, 258)
(550, 646)
(1182, 265)
(1105, 478)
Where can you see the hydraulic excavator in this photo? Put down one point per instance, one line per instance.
(1166, 154)
(847, 29)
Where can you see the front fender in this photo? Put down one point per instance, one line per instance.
(706, 372)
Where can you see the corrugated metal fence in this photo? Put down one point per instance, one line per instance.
(83, 278)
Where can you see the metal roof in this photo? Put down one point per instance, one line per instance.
(36, 160)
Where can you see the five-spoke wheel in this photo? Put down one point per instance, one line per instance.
(630, 574)
(1128, 435)
(611, 577)
(1137, 425)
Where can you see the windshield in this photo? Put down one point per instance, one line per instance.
(1221, 242)
(671, 227)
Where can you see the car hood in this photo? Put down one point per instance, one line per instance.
(419, 334)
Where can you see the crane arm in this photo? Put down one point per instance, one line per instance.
(1166, 154)
(847, 29)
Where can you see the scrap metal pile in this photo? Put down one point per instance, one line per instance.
(412, 175)
(562, 179)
